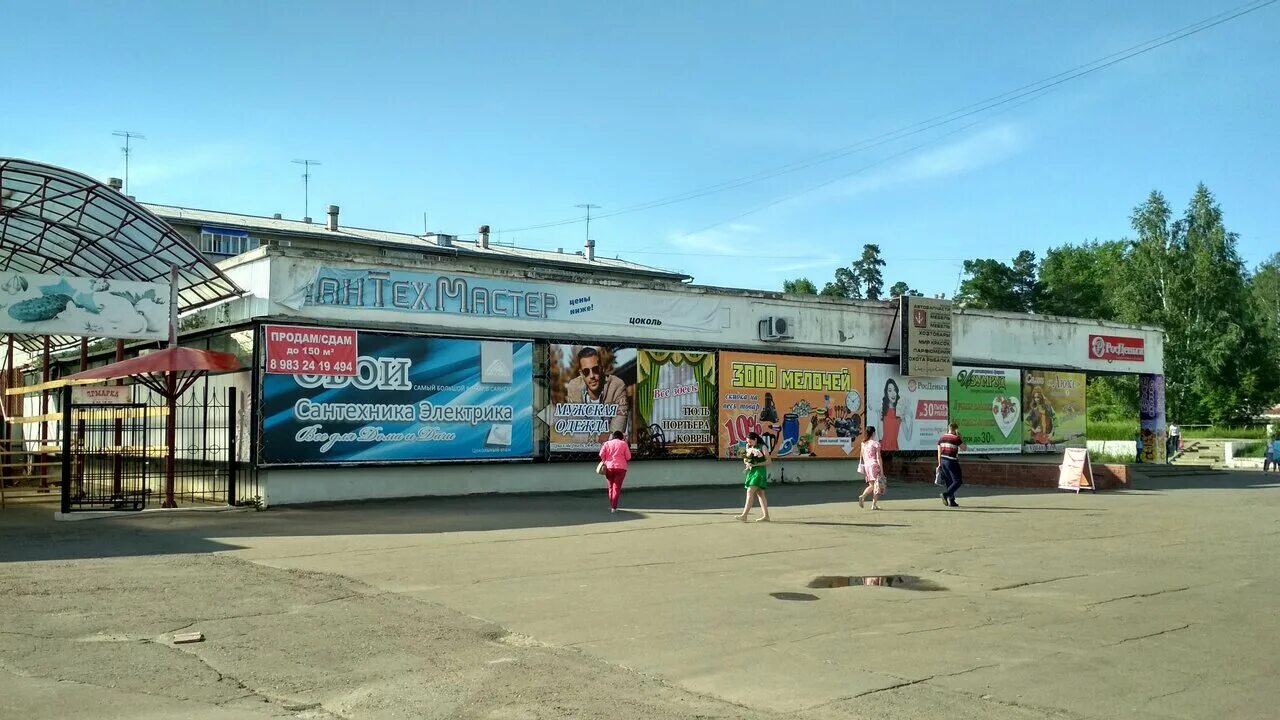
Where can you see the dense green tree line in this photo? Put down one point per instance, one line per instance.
(1179, 272)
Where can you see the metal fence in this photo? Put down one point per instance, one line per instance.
(118, 453)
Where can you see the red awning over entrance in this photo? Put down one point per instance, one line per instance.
(179, 360)
(169, 372)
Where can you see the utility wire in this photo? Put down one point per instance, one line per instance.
(814, 258)
(961, 113)
(811, 188)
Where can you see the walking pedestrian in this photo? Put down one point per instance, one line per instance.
(1271, 456)
(615, 453)
(949, 447)
(872, 468)
(754, 461)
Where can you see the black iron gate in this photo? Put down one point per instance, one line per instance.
(116, 456)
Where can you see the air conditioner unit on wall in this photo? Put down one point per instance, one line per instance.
(776, 328)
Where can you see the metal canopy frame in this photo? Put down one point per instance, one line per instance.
(58, 221)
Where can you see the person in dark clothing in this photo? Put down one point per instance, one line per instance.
(771, 427)
(949, 447)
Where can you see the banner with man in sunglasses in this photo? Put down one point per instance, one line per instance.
(592, 391)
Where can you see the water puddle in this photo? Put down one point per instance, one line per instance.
(800, 597)
(902, 582)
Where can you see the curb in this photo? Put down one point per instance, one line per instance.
(152, 512)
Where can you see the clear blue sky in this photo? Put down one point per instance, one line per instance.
(511, 113)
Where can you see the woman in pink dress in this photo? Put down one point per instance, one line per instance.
(615, 454)
(873, 469)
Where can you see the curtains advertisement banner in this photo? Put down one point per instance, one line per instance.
(1151, 419)
(592, 391)
(412, 399)
(987, 406)
(675, 403)
(1053, 411)
(801, 406)
(908, 413)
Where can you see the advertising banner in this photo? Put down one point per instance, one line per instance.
(310, 351)
(925, 337)
(592, 391)
(1053, 411)
(802, 406)
(986, 405)
(35, 304)
(1151, 419)
(1076, 471)
(907, 413)
(423, 293)
(675, 403)
(412, 399)
(1113, 349)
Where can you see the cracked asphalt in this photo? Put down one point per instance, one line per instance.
(1158, 602)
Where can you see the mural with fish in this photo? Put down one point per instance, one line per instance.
(35, 304)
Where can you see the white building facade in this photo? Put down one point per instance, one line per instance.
(477, 368)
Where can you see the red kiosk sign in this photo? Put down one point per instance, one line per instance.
(1112, 348)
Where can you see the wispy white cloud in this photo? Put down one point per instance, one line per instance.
(826, 263)
(981, 149)
(733, 239)
(742, 240)
(966, 154)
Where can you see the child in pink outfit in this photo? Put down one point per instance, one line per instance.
(615, 454)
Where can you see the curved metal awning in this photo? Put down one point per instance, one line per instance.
(60, 222)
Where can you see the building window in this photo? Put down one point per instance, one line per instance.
(222, 241)
(239, 343)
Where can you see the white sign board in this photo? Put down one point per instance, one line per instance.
(1076, 472)
(102, 395)
(425, 294)
(33, 304)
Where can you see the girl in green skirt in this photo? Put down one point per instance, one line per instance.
(754, 461)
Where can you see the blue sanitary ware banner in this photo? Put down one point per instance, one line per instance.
(413, 399)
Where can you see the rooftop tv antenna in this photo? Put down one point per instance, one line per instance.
(588, 207)
(128, 136)
(306, 186)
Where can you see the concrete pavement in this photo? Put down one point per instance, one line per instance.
(1152, 603)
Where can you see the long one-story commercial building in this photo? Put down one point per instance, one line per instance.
(459, 367)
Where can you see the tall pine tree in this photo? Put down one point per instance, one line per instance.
(869, 269)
